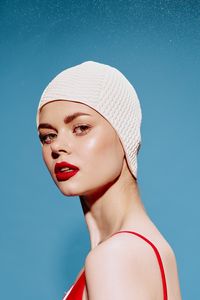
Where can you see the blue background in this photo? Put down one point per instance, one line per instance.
(43, 237)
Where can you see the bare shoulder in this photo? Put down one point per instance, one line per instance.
(122, 267)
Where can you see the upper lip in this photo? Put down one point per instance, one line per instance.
(64, 164)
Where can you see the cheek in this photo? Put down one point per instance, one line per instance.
(103, 155)
(46, 157)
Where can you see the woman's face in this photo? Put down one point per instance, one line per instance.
(88, 142)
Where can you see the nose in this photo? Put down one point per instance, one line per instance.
(59, 146)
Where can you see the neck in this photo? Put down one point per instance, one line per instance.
(118, 207)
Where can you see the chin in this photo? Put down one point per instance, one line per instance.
(68, 194)
(75, 190)
(66, 191)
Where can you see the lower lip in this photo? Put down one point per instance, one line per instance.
(63, 176)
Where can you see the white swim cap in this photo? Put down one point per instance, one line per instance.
(106, 90)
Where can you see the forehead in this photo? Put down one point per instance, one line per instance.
(66, 106)
(67, 111)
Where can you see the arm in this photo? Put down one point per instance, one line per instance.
(113, 271)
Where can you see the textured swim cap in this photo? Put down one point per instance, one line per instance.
(106, 90)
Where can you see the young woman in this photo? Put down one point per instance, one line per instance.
(89, 120)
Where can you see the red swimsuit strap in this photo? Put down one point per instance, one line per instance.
(165, 297)
(76, 292)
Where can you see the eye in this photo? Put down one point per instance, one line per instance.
(46, 138)
(83, 128)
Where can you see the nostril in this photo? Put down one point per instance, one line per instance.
(54, 155)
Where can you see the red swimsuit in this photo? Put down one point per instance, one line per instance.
(76, 290)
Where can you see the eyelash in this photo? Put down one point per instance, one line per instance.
(43, 137)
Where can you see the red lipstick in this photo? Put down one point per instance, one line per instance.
(62, 172)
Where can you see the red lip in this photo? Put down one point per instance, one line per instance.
(64, 164)
(64, 175)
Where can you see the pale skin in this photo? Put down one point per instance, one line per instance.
(122, 266)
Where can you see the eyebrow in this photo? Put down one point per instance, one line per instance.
(67, 119)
